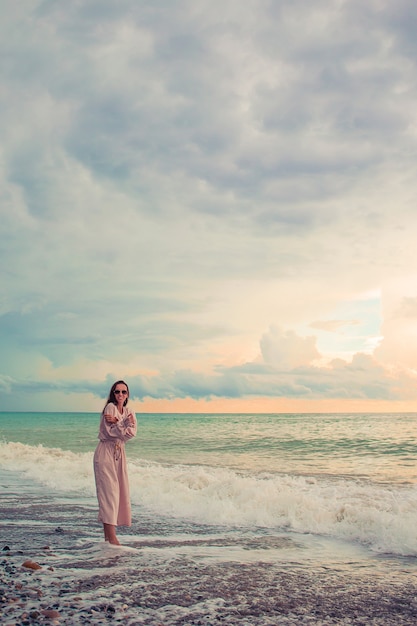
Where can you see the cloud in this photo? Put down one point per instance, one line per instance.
(286, 350)
(177, 177)
(333, 325)
(407, 308)
(169, 91)
(361, 378)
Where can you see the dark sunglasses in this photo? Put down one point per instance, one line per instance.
(124, 392)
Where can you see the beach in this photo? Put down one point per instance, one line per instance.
(215, 538)
(165, 574)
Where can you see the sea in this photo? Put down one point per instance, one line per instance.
(222, 505)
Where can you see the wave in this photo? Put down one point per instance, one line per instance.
(381, 517)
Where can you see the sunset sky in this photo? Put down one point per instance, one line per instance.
(216, 201)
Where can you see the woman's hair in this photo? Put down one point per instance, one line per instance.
(112, 395)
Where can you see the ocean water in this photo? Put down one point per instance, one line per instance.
(347, 478)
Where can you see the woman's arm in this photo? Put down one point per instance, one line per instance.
(110, 421)
(128, 426)
(119, 427)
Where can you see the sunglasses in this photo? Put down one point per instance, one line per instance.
(124, 392)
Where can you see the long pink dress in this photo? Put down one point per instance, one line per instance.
(110, 468)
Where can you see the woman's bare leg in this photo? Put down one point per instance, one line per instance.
(110, 534)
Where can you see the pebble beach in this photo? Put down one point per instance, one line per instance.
(55, 569)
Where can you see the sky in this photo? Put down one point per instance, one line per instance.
(215, 201)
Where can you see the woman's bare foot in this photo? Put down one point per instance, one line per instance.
(110, 534)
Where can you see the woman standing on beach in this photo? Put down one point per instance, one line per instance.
(117, 425)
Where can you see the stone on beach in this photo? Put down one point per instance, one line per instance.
(29, 564)
(51, 613)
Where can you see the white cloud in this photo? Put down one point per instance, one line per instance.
(286, 350)
(176, 178)
(333, 325)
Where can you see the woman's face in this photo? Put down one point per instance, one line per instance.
(121, 393)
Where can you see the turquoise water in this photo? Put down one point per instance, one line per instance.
(381, 447)
(347, 477)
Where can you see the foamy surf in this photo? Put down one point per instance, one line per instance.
(171, 570)
(380, 517)
(236, 519)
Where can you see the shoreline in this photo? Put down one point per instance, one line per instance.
(174, 573)
(180, 591)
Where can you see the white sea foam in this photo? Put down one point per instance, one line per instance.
(381, 517)
(58, 469)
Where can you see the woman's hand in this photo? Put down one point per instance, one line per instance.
(130, 419)
(111, 419)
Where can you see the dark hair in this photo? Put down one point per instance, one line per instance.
(112, 396)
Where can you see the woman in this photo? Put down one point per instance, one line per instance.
(117, 425)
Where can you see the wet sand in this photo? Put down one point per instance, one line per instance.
(181, 575)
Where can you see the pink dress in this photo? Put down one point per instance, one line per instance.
(110, 468)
